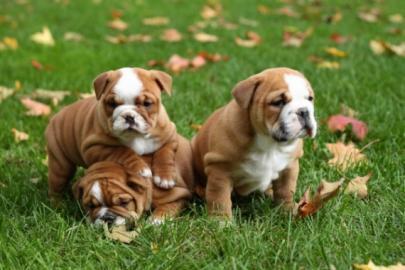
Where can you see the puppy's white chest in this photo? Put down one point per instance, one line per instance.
(143, 145)
(262, 164)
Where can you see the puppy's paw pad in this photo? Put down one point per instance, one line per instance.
(164, 183)
(146, 172)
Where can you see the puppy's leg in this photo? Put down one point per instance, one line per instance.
(164, 166)
(167, 211)
(284, 187)
(218, 192)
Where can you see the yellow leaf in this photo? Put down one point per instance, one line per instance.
(156, 21)
(335, 52)
(44, 37)
(329, 64)
(19, 136)
(395, 18)
(211, 11)
(372, 266)
(72, 36)
(17, 85)
(358, 186)
(344, 156)
(154, 247)
(377, 47)
(196, 127)
(5, 92)
(120, 233)
(11, 43)
(204, 37)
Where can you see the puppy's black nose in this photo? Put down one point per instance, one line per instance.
(129, 119)
(108, 217)
(303, 112)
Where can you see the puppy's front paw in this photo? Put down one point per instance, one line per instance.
(163, 182)
(145, 172)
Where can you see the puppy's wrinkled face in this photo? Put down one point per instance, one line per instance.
(281, 104)
(131, 98)
(109, 197)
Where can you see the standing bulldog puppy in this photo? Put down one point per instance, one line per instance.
(125, 120)
(254, 142)
(107, 192)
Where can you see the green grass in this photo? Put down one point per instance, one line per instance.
(346, 231)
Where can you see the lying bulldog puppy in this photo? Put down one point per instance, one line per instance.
(125, 120)
(254, 142)
(108, 193)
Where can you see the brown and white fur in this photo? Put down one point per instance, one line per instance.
(124, 121)
(254, 142)
(108, 193)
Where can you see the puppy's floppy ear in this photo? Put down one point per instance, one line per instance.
(244, 91)
(163, 80)
(100, 83)
(77, 189)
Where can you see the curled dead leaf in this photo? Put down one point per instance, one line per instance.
(205, 38)
(308, 206)
(358, 186)
(5, 92)
(340, 123)
(395, 18)
(36, 64)
(253, 39)
(10, 43)
(156, 21)
(294, 38)
(198, 61)
(19, 136)
(335, 52)
(44, 38)
(211, 11)
(344, 155)
(35, 108)
(338, 38)
(55, 96)
(171, 35)
(177, 63)
(379, 47)
(118, 24)
(370, 15)
(287, 11)
(73, 36)
(372, 266)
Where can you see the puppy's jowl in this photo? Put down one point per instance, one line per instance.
(125, 120)
(255, 141)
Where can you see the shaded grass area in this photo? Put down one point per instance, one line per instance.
(347, 230)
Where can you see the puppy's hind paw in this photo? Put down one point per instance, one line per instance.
(163, 183)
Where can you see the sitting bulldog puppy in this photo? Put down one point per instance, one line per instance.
(125, 120)
(254, 142)
(108, 192)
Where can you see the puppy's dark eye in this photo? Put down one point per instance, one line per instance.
(124, 203)
(112, 104)
(147, 103)
(310, 98)
(278, 103)
(91, 206)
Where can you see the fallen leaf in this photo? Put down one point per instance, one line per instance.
(198, 61)
(155, 21)
(116, 14)
(395, 18)
(154, 247)
(35, 108)
(372, 266)
(19, 136)
(340, 123)
(36, 64)
(72, 36)
(263, 9)
(155, 63)
(335, 18)
(287, 11)
(17, 85)
(139, 38)
(358, 186)
(338, 38)
(171, 35)
(5, 92)
(253, 39)
(335, 52)
(215, 57)
(204, 37)
(326, 190)
(344, 155)
(329, 64)
(120, 233)
(394, 31)
(248, 22)
(370, 16)
(55, 96)
(196, 127)
(177, 63)
(211, 11)
(294, 38)
(11, 43)
(346, 110)
(44, 37)
(379, 47)
(118, 24)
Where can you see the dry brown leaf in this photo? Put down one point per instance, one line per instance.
(196, 127)
(118, 24)
(198, 62)
(395, 18)
(346, 110)
(72, 36)
(156, 21)
(11, 43)
(326, 190)
(372, 266)
(177, 63)
(19, 136)
(253, 40)
(329, 64)
(204, 37)
(344, 155)
(338, 38)
(120, 233)
(287, 11)
(139, 38)
(35, 108)
(121, 39)
(55, 96)
(293, 38)
(171, 35)
(263, 9)
(335, 52)
(5, 92)
(248, 22)
(36, 64)
(44, 37)
(211, 11)
(116, 14)
(358, 186)
(215, 57)
(379, 47)
(370, 15)
(335, 18)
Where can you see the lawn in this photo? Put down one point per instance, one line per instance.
(346, 231)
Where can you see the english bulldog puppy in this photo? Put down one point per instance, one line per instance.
(107, 192)
(125, 120)
(254, 142)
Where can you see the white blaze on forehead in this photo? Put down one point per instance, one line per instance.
(96, 192)
(297, 86)
(128, 86)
